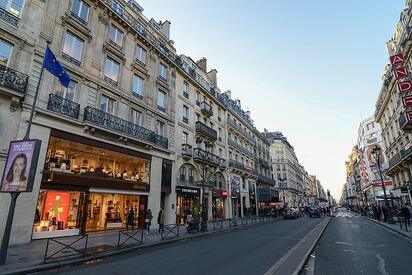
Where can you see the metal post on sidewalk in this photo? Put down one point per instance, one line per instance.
(7, 230)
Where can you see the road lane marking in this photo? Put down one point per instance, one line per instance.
(381, 265)
(348, 250)
(269, 237)
(364, 245)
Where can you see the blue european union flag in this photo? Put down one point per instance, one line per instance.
(51, 64)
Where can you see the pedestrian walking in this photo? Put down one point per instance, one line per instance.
(148, 220)
(130, 219)
(406, 214)
(161, 221)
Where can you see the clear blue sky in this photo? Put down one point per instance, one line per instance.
(311, 69)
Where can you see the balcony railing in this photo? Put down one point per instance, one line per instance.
(240, 166)
(187, 150)
(206, 130)
(8, 17)
(113, 123)
(240, 148)
(232, 123)
(206, 109)
(13, 79)
(266, 180)
(201, 154)
(263, 162)
(63, 106)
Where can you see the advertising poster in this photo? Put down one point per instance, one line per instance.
(235, 186)
(20, 168)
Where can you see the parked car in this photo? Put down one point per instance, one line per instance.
(314, 212)
(291, 214)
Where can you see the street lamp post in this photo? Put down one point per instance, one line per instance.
(377, 154)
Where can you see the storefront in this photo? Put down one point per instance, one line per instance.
(187, 199)
(89, 185)
(218, 203)
(235, 195)
(267, 198)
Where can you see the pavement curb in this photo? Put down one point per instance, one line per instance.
(390, 228)
(307, 254)
(110, 253)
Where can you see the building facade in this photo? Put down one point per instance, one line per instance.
(393, 111)
(108, 139)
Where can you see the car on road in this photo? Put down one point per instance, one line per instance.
(291, 214)
(314, 212)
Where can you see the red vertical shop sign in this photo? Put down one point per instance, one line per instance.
(407, 101)
(396, 59)
(404, 86)
(400, 72)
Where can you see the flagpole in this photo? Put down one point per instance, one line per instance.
(33, 106)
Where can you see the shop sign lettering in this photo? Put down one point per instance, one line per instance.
(396, 59)
(407, 101)
(404, 86)
(400, 72)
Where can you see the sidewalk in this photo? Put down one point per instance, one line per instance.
(30, 257)
(395, 228)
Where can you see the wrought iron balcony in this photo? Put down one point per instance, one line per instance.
(206, 109)
(266, 180)
(13, 79)
(240, 148)
(8, 17)
(232, 123)
(205, 130)
(63, 106)
(263, 162)
(187, 150)
(116, 124)
(240, 166)
(202, 155)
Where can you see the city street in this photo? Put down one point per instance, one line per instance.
(250, 251)
(352, 244)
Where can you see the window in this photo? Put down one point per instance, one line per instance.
(161, 98)
(111, 69)
(116, 35)
(185, 114)
(283, 167)
(81, 10)
(117, 7)
(186, 89)
(220, 152)
(141, 54)
(219, 113)
(160, 128)
(278, 167)
(220, 134)
(67, 93)
(183, 174)
(137, 89)
(13, 6)
(5, 52)
(163, 71)
(135, 117)
(185, 137)
(198, 98)
(191, 178)
(230, 155)
(197, 117)
(73, 47)
(106, 104)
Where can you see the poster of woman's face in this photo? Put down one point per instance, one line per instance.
(18, 175)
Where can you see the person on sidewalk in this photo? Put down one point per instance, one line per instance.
(161, 221)
(130, 219)
(406, 214)
(148, 220)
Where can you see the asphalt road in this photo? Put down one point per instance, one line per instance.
(249, 251)
(354, 245)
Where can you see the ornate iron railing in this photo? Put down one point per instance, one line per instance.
(237, 165)
(13, 79)
(201, 154)
(240, 148)
(8, 17)
(206, 130)
(71, 59)
(263, 162)
(206, 108)
(187, 150)
(266, 179)
(63, 106)
(113, 123)
(232, 123)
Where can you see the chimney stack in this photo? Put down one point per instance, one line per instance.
(202, 63)
(213, 77)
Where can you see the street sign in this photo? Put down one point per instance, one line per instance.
(396, 59)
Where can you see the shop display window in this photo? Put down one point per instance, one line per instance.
(57, 213)
(79, 159)
(109, 211)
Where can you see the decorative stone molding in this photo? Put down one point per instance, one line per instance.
(14, 103)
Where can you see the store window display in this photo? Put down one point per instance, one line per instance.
(57, 214)
(109, 211)
(68, 157)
